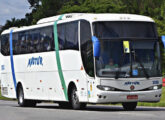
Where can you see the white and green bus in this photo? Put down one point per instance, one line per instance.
(75, 59)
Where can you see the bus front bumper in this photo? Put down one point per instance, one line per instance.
(136, 96)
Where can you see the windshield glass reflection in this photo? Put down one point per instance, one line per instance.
(142, 60)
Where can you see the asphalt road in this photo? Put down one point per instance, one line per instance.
(9, 110)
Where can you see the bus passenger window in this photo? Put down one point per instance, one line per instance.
(29, 43)
(71, 36)
(15, 39)
(5, 45)
(42, 42)
(18, 46)
(35, 42)
(61, 36)
(46, 39)
(23, 44)
(47, 45)
(52, 41)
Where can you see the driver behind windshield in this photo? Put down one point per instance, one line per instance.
(111, 64)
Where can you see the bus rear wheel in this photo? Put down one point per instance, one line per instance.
(22, 102)
(75, 100)
(129, 106)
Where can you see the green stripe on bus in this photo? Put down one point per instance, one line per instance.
(58, 58)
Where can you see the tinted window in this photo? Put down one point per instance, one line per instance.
(61, 36)
(22, 47)
(42, 39)
(125, 29)
(46, 39)
(16, 43)
(29, 42)
(68, 36)
(35, 41)
(86, 47)
(5, 45)
(71, 35)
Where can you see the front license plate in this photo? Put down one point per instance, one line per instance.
(132, 97)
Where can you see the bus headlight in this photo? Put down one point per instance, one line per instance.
(156, 87)
(105, 88)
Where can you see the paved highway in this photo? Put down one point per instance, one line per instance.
(9, 110)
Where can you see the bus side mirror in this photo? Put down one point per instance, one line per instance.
(96, 44)
(163, 40)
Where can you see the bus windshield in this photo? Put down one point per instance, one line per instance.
(135, 54)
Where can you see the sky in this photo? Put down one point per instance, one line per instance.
(13, 8)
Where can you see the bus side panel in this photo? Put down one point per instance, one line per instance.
(43, 86)
(39, 77)
(38, 74)
(8, 89)
(71, 64)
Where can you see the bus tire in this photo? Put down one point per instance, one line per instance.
(22, 102)
(129, 106)
(76, 105)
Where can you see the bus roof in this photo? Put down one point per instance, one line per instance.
(98, 17)
(86, 16)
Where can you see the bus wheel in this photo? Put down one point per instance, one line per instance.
(22, 102)
(129, 106)
(75, 100)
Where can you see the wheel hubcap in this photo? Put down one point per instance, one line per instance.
(20, 97)
(75, 98)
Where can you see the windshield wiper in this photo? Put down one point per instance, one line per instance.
(122, 60)
(118, 72)
(144, 70)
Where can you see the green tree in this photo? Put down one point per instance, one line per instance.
(34, 4)
(47, 8)
(92, 6)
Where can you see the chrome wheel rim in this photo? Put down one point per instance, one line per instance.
(75, 98)
(21, 97)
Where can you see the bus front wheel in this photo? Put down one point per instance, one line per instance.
(129, 106)
(22, 102)
(75, 100)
